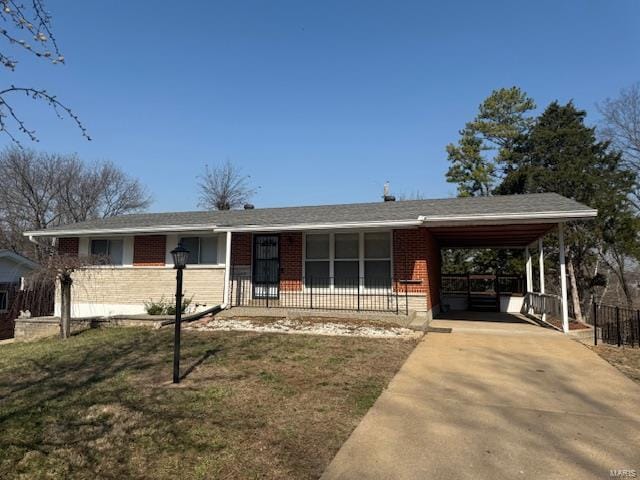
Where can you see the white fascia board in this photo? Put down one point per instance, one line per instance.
(508, 218)
(120, 231)
(214, 228)
(320, 226)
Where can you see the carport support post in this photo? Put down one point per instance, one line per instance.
(541, 273)
(563, 281)
(529, 272)
(529, 269)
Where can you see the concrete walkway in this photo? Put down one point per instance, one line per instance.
(497, 400)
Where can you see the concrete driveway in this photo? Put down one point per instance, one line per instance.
(497, 400)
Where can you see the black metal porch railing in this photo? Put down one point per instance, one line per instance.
(483, 291)
(465, 283)
(323, 293)
(616, 325)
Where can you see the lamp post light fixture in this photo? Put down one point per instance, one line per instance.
(180, 257)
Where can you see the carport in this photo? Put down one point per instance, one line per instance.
(502, 234)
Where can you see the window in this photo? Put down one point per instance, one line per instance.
(317, 263)
(203, 250)
(341, 260)
(4, 300)
(377, 260)
(346, 267)
(108, 248)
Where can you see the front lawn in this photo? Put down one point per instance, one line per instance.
(251, 405)
(625, 359)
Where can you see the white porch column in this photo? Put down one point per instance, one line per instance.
(227, 273)
(541, 273)
(529, 269)
(563, 281)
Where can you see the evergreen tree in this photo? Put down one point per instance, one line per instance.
(473, 173)
(502, 119)
(561, 154)
(478, 162)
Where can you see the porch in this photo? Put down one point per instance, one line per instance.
(394, 271)
(482, 292)
(355, 270)
(326, 293)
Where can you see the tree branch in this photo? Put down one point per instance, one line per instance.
(7, 111)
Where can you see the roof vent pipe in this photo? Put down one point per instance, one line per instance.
(386, 196)
(248, 206)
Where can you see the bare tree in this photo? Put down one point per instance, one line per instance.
(224, 187)
(99, 190)
(55, 268)
(26, 29)
(28, 196)
(40, 191)
(413, 195)
(621, 126)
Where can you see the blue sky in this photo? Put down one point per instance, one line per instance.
(319, 101)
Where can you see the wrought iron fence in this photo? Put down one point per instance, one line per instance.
(323, 293)
(616, 325)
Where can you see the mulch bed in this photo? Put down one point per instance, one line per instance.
(573, 325)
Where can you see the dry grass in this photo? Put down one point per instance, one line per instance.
(251, 405)
(625, 359)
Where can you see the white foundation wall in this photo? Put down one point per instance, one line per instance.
(511, 304)
(124, 291)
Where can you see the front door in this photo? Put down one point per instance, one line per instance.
(266, 266)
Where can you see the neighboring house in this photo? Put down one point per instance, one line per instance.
(13, 268)
(381, 256)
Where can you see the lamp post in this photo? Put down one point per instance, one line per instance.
(180, 256)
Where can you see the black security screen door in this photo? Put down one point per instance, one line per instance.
(266, 266)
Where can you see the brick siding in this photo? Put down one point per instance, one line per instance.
(149, 250)
(138, 285)
(241, 244)
(291, 261)
(433, 268)
(68, 246)
(416, 256)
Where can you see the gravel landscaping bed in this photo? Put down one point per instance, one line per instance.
(311, 325)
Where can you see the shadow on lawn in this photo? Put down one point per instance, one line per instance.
(208, 354)
(251, 405)
(98, 393)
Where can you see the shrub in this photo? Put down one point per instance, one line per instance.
(155, 308)
(171, 308)
(165, 307)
